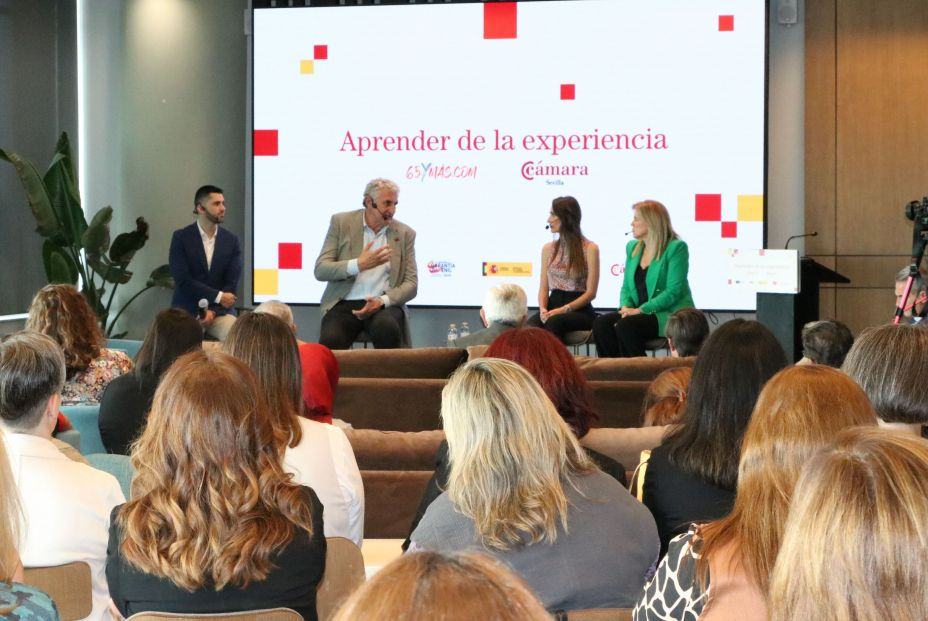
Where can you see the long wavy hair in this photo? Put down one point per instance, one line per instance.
(267, 345)
(569, 244)
(511, 455)
(798, 412)
(856, 540)
(61, 312)
(11, 519)
(660, 231)
(540, 353)
(732, 367)
(211, 502)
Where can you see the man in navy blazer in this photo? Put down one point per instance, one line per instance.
(206, 263)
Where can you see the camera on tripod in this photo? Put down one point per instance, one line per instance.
(917, 212)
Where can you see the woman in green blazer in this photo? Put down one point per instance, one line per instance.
(655, 285)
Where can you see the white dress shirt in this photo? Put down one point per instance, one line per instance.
(324, 461)
(66, 506)
(209, 247)
(373, 282)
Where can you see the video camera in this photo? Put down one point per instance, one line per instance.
(917, 212)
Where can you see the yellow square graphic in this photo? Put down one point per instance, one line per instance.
(750, 208)
(265, 282)
(306, 66)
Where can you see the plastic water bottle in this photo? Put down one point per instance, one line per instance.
(465, 329)
(452, 335)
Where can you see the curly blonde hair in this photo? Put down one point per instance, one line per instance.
(211, 502)
(61, 312)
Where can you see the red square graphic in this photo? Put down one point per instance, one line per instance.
(708, 207)
(729, 229)
(568, 91)
(499, 20)
(290, 256)
(320, 52)
(265, 142)
(726, 23)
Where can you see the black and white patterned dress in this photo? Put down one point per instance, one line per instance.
(673, 594)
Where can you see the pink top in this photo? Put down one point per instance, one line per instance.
(558, 278)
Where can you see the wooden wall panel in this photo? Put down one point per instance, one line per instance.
(861, 308)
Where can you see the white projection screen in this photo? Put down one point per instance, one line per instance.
(484, 113)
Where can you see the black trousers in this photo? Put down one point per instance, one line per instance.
(623, 338)
(559, 325)
(340, 327)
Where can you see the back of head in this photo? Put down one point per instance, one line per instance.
(172, 333)
(267, 345)
(856, 539)
(61, 312)
(798, 412)
(278, 309)
(826, 342)
(734, 364)
(545, 357)
(505, 304)
(687, 329)
(31, 371)
(665, 399)
(890, 362)
(207, 460)
(508, 450)
(427, 586)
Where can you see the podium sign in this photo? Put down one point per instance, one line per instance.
(764, 270)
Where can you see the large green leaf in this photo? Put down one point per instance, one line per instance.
(161, 277)
(39, 202)
(60, 268)
(62, 192)
(96, 239)
(109, 271)
(126, 245)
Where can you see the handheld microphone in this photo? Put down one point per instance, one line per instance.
(789, 239)
(203, 305)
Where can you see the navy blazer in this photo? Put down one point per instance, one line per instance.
(193, 280)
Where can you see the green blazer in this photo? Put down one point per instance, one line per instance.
(668, 288)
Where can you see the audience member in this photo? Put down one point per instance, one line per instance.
(127, 399)
(318, 455)
(665, 399)
(686, 330)
(855, 543)
(320, 367)
(691, 476)
(17, 600)
(721, 570)
(890, 362)
(65, 504)
(214, 524)
(825, 342)
(427, 586)
(61, 312)
(504, 307)
(914, 306)
(522, 489)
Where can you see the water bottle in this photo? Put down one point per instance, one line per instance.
(452, 335)
(465, 329)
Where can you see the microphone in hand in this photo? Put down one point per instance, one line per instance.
(203, 305)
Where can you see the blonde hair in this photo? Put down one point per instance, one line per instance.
(660, 231)
(798, 412)
(428, 586)
(61, 312)
(856, 540)
(665, 399)
(510, 452)
(211, 502)
(11, 519)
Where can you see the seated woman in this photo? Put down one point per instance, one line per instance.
(316, 454)
(570, 274)
(125, 402)
(691, 476)
(215, 524)
(523, 490)
(61, 312)
(856, 540)
(657, 264)
(424, 586)
(721, 570)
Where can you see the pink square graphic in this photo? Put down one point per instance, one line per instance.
(726, 23)
(289, 256)
(320, 52)
(568, 91)
(708, 207)
(265, 142)
(729, 229)
(500, 20)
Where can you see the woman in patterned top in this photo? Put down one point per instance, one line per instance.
(61, 312)
(570, 274)
(721, 570)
